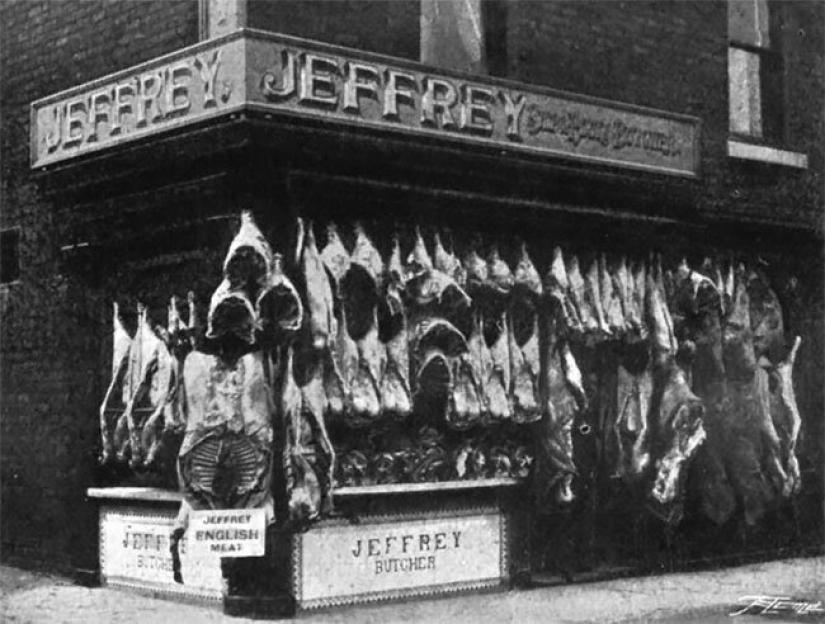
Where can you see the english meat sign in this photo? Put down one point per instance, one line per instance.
(293, 79)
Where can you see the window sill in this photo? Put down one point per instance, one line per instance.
(763, 153)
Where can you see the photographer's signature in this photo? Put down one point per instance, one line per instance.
(777, 605)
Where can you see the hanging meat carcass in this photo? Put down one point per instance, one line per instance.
(302, 485)
(362, 285)
(525, 358)
(497, 334)
(225, 458)
(775, 378)
(430, 288)
(318, 291)
(612, 299)
(676, 414)
(121, 347)
(169, 416)
(557, 286)
(278, 306)
(148, 372)
(341, 361)
(313, 442)
(787, 419)
(396, 396)
(248, 262)
(752, 454)
(562, 399)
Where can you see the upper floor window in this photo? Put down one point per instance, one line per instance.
(754, 70)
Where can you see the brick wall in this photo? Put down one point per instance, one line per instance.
(375, 25)
(673, 56)
(53, 322)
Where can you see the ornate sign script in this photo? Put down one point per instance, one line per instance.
(293, 79)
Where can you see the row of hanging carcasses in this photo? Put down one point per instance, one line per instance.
(471, 341)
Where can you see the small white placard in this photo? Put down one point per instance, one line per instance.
(228, 532)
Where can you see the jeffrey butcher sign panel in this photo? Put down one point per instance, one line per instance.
(295, 79)
(348, 563)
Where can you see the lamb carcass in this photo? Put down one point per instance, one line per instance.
(557, 287)
(612, 299)
(121, 346)
(579, 298)
(168, 417)
(148, 370)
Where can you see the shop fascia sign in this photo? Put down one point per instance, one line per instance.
(294, 79)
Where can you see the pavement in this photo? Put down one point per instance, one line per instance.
(709, 596)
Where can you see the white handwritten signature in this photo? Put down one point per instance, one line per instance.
(770, 605)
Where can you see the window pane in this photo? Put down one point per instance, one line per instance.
(748, 22)
(745, 92)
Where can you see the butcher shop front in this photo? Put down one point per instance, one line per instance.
(383, 331)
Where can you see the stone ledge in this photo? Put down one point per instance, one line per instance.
(763, 153)
(171, 496)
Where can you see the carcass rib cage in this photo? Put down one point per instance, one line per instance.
(480, 369)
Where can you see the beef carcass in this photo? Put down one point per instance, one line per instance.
(525, 359)
(121, 346)
(318, 291)
(225, 460)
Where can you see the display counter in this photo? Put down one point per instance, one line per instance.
(386, 542)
